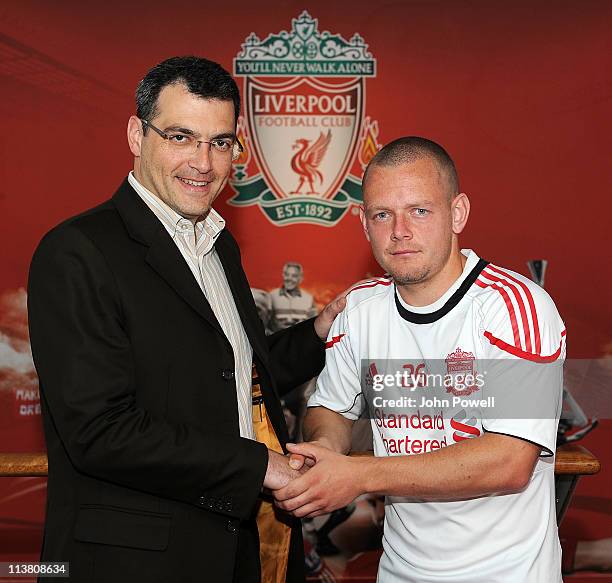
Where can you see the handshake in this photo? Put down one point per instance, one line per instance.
(312, 479)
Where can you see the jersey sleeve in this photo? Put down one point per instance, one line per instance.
(338, 385)
(524, 350)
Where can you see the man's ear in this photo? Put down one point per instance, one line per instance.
(460, 211)
(134, 135)
(364, 224)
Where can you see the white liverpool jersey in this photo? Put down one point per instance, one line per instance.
(489, 314)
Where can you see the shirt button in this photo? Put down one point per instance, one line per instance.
(227, 374)
(232, 526)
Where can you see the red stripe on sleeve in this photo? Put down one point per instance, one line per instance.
(508, 301)
(521, 304)
(534, 315)
(521, 353)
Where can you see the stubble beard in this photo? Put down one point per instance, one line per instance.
(411, 278)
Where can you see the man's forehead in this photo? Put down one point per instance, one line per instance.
(176, 104)
(422, 168)
(416, 178)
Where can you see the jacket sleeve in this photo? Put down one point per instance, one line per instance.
(297, 354)
(83, 357)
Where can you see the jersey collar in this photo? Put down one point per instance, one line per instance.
(455, 298)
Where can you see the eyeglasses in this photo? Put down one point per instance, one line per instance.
(188, 144)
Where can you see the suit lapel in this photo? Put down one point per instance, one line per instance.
(163, 255)
(242, 294)
(166, 259)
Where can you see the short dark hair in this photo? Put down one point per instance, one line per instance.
(202, 77)
(412, 148)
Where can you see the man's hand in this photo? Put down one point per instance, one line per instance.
(279, 472)
(298, 460)
(333, 482)
(327, 316)
(324, 428)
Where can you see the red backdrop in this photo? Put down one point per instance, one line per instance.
(517, 92)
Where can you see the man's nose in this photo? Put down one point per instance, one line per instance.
(401, 228)
(201, 158)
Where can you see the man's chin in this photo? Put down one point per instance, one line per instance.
(410, 278)
(192, 212)
(191, 207)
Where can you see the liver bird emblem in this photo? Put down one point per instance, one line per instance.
(307, 159)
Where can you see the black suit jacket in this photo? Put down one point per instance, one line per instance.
(149, 479)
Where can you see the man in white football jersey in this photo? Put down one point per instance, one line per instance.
(469, 491)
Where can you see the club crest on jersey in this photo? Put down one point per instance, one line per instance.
(460, 373)
(306, 136)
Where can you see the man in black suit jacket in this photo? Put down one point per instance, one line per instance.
(153, 474)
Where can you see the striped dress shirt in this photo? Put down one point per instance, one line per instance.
(197, 246)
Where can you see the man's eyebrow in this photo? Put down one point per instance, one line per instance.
(189, 132)
(376, 207)
(231, 135)
(412, 205)
(420, 203)
(182, 130)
